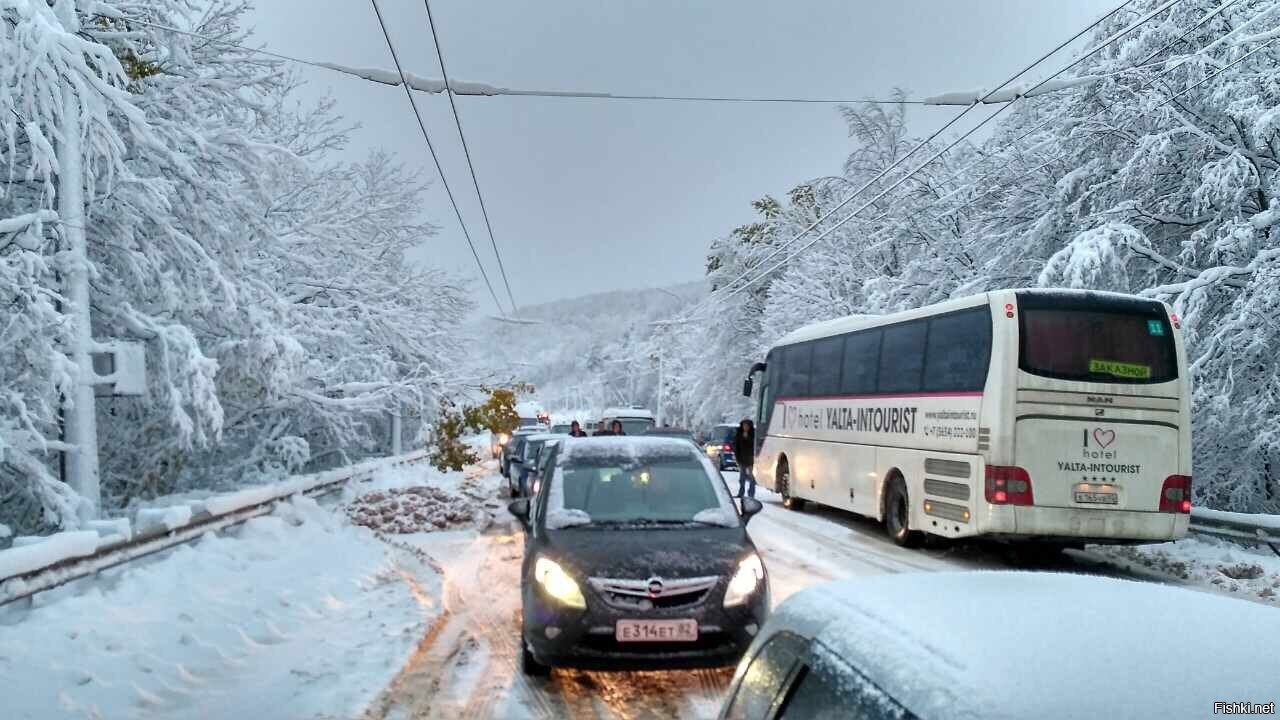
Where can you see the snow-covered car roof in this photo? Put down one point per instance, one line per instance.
(1052, 645)
(634, 446)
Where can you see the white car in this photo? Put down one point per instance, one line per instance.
(1008, 645)
(635, 421)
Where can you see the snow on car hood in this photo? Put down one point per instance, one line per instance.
(641, 553)
(1051, 645)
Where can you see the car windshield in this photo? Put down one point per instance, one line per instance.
(674, 487)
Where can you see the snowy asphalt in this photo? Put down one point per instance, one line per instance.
(302, 615)
(468, 663)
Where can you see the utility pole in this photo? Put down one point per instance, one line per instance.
(658, 419)
(397, 429)
(80, 408)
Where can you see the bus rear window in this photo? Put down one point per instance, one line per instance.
(1097, 346)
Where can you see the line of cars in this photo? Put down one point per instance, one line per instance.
(637, 557)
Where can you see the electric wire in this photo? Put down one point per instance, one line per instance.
(457, 120)
(781, 248)
(435, 158)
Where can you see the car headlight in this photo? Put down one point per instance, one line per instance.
(745, 581)
(557, 583)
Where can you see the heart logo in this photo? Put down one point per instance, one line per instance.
(1104, 437)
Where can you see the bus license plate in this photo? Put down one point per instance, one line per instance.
(1097, 498)
(656, 631)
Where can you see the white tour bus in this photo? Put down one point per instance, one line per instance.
(1057, 415)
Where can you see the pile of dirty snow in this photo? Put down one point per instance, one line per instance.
(1226, 566)
(411, 510)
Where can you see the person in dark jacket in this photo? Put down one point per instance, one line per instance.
(615, 428)
(575, 430)
(600, 430)
(744, 451)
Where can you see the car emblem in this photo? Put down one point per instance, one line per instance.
(655, 587)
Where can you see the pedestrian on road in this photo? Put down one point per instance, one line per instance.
(615, 428)
(744, 450)
(575, 430)
(600, 430)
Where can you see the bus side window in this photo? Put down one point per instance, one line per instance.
(826, 366)
(902, 357)
(959, 351)
(861, 362)
(799, 361)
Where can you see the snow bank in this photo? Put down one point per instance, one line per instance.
(1221, 565)
(26, 558)
(1271, 522)
(293, 614)
(170, 518)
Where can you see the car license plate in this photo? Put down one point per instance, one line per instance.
(1097, 498)
(656, 631)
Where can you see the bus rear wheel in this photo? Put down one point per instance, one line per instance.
(897, 515)
(784, 488)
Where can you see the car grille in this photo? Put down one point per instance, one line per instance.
(630, 594)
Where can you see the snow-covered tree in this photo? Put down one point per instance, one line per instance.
(269, 282)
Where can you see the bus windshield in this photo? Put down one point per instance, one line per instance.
(1097, 345)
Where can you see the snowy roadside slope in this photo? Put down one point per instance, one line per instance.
(293, 615)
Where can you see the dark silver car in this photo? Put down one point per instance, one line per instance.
(636, 556)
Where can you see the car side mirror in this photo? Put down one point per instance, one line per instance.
(747, 385)
(750, 506)
(520, 509)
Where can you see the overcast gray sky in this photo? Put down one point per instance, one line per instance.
(592, 195)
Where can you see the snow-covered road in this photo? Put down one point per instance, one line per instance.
(302, 615)
(467, 666)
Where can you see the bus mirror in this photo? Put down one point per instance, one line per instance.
(746, 387)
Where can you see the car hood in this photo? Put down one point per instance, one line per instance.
(644, 553)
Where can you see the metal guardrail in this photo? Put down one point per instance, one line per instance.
(213, 514)
(1260, 529)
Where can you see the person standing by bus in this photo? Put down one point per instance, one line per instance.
(744, 451)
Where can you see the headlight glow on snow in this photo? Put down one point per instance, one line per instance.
(745, 580)
(557, 583)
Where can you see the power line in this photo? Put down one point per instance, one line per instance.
(1002, 108)
(434, 158)
(1106, 107)
(487, 91)
(457, 120)
(781, 248)
(1168, 100)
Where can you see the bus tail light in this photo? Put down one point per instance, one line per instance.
(1175, 495)
(728, 447)
(1008, 485)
